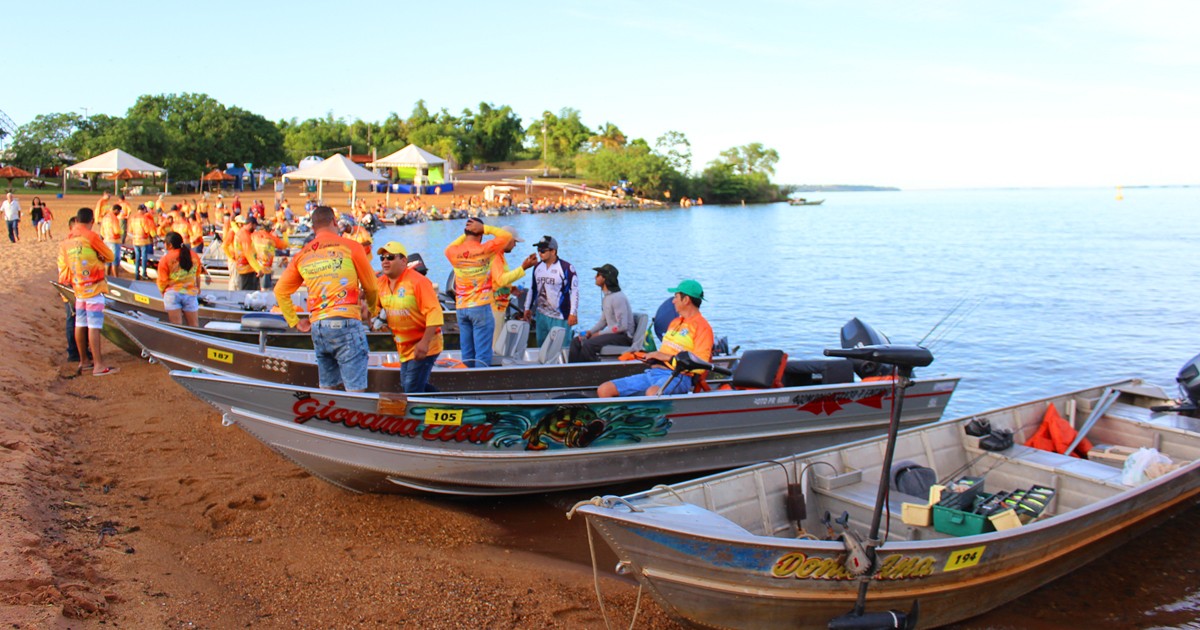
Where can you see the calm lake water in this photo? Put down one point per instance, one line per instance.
(1054, 290)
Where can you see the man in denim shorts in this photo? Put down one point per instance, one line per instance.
(333, 269)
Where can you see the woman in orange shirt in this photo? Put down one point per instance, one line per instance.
(179, 280)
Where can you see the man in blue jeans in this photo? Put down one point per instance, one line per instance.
(471, 259)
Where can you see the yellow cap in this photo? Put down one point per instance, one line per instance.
(392, 247)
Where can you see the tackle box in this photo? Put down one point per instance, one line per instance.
(959, 523)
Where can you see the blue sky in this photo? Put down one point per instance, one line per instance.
(915, 94)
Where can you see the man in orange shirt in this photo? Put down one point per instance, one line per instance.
(142, 230)
(81, 259)
(409, 304)
(113, 234)
(689, 332)
(473, 289)
(244, 260)
(333, 269)
(265, 245)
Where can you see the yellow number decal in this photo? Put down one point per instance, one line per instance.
(141, 299)
(964, 558)
(220, 355)
(445, 417)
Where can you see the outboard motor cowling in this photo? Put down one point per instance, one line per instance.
(1189, 381)
(856, 334)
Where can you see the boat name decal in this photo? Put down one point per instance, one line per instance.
(830, 404)
(893, 567)
(309, 408)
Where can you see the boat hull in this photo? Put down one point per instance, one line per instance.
(497, 445)
(707, 571)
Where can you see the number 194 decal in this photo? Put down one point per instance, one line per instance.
(444, 417)
(964, 558)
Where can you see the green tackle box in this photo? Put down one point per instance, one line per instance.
(958, 523)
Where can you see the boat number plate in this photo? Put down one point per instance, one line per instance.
(445, 417)
(141, 299)
(220, 355)
(964, 558)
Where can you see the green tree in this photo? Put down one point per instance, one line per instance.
(313, 136)
(675, 146)
(646, 171)
(608, 135)
(564, 134)
(752, 158)
(43, 140)
(493, 134)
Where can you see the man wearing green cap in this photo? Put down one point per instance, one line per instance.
(688, 332)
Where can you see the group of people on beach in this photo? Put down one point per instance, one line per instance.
(344, 293)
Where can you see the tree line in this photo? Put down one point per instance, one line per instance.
(189, 134)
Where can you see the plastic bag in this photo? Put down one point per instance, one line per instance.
(1145, 464)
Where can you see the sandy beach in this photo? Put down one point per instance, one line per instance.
(125, 503)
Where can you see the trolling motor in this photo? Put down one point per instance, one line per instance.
(903, 359)
(686, 362)
(1189, 390)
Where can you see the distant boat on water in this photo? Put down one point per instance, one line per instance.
(801, 201)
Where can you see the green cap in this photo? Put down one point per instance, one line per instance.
(690, 288)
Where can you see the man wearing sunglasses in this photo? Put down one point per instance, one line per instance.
(410, 305)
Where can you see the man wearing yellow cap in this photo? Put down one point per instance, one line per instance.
(409, 305)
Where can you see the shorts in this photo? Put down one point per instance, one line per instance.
(176, 301)
(341, 349)
(637, 384)
(89, 313)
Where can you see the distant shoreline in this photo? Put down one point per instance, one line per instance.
(842, 188)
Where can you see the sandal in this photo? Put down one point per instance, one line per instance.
(107, 371)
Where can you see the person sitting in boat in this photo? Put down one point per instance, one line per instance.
(689, 331)
(616, 320)
(409, 308)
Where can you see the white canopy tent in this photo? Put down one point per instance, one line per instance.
(411, 156)
(338, 168)
(112, 162)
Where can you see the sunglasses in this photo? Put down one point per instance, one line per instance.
(388, 256)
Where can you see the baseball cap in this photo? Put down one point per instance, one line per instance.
(547, 242)
(239, 218)
(392, 247)
(512, 230)
(608, 271)
(690, 288)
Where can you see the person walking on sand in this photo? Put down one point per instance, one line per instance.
(37, 209)
(82, 257)
(11, 208)
(409, 308)
(336, 272)
(472, 259)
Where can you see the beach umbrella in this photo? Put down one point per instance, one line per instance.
(11, 172)
(122, 175)
(217, 176)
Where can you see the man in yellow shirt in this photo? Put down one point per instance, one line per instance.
(472, 259)
(410, 306)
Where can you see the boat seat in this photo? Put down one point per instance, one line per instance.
(264, 321)
(760, 369)
(802, 372)
(552, 347)
(512, 342)
(641, 323)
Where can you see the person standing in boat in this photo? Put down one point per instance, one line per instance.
(409, 308)
(142, 229)
(503, 279)
(472, 259)
(555, 292)
(336, 272)
(82, 258)
(179, 281)
(616, 320)
(688, 332)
